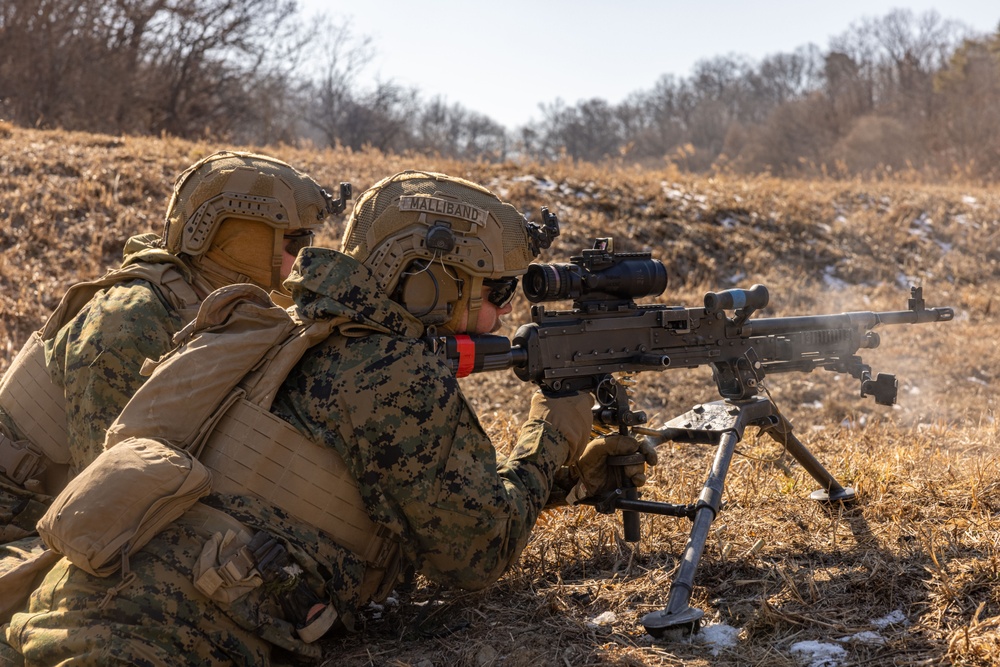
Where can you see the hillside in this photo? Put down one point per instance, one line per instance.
(922, 547)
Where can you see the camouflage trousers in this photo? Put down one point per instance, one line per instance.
(21, 567)
(20, 510)
(153, 617)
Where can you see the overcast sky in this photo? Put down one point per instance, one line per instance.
(504, 58)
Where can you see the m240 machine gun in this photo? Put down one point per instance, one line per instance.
(606, 332)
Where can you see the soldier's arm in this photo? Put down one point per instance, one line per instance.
(96, 357)
(462, 516)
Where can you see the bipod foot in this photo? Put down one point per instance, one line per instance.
(673, 625)
(845, 495)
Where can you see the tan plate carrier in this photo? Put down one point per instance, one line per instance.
(227, 422)
(37, 405)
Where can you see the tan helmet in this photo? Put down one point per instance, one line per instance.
(431, 240)
(231, 211)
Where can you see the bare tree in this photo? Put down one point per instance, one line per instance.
(379, 118)
(62, 63)
(969, 88)
(454, 131)
(179, 66)
(588, 131)
(204, 56)
(340, 59)
(897, 55)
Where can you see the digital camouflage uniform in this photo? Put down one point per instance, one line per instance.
(426, 470)
(95, 358)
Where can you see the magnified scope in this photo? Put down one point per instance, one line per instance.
(597, 274)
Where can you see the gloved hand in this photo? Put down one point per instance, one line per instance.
(570, 414)
(596, 476)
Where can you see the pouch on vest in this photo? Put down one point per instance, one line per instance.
(120, 502)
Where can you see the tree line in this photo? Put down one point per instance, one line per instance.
(902, 91)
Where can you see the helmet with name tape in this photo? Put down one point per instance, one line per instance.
(431, 240)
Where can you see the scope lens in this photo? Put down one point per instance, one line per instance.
(546, 282)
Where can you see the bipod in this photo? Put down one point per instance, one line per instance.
(723, 423)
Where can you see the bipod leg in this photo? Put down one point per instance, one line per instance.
(679, 615)
(832, 491)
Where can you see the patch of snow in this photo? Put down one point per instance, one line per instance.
(922, 226)
(866, 637)
(607, 618)
(541, 184)
(820, 654)
(671, 192)
(832, 281)
(969, 199)
(891, 618)
(850, 423)
(718, 636)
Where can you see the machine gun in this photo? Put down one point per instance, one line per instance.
(606, 332)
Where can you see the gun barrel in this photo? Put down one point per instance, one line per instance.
(922, 316)
(862, 320)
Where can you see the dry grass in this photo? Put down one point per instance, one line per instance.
(922, 548)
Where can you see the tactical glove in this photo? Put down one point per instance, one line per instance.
(596, 476)
(570, 414)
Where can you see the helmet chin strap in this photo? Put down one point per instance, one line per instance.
(474, 304)
(470, 305)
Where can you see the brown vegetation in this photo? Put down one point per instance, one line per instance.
(923, 546)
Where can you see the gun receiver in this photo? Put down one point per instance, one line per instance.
(606, 332)
(575, 350)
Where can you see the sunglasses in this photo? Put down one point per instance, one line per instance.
(298, 241)
(502, 290)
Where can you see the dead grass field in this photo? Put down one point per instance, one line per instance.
(910, 576)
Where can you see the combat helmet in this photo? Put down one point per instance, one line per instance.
(231, 211)
(431, 240)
